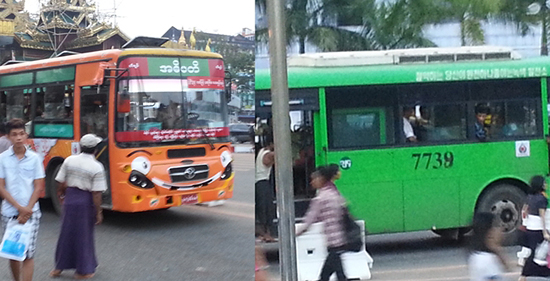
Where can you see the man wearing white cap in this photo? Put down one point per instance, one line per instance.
(82, 180)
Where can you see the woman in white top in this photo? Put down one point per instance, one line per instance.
(486, 261)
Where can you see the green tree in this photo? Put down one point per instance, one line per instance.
(469, 13)
(395, 25)
(388, 25)
(526, 14)
(314, 22)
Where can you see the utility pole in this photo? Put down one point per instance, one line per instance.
(281, 134)
(114, 9)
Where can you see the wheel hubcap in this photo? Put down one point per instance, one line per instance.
(506, 214)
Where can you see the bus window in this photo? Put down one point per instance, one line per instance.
(53, 116)
(93, 111)
(514, 107)
(360, 116)
(3, 106)
(443, 122)
(441, 110)
(55, 102)
(18, 103)
(512, 119)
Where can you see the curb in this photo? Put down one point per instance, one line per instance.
(241, 149)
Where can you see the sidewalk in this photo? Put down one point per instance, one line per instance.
(243, 148)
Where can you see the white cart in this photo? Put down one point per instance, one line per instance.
(311, 252)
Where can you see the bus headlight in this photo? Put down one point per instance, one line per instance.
(227, 172)
(226, 158)
(142, 165)
(140, 180)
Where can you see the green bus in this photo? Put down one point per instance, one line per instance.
(351, 108)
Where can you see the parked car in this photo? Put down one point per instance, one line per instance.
(241, 132)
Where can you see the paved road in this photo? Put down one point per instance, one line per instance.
(413, 257)
(183, 243)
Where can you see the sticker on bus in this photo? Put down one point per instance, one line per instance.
(523, 149)
(189, 199)
(154, 202)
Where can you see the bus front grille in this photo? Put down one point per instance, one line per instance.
(188, 173)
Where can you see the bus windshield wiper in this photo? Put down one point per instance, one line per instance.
(207, 139)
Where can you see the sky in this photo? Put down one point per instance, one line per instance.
(139, 18)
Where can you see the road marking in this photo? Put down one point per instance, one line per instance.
(250, 205)
(446, 268)
(217, 210)
(465, 278)
(421, 269)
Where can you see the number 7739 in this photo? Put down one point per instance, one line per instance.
(435, 160)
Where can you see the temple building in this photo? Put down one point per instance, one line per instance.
(219, 43)
(62, 25)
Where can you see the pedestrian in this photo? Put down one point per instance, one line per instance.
(82, 180)
(5, 143)
(261, 265)
(524, 253)
(264, 193)
(537, 230)
(21, 183)
(486, 260)
(328, 207)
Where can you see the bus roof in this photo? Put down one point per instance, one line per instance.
(314, 77)
(400, 56)
(102, 55)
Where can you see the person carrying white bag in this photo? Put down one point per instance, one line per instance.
(15, 243)
(537, 230)
(21, 183)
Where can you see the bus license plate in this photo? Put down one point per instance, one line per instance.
(189, 199)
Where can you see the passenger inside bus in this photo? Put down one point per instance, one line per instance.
(421, 124)
(408, 112)
(481, 111)
(169, 115)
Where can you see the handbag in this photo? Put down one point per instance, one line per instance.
(15, 242)
(354, 241)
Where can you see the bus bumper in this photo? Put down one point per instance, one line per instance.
(133, 200)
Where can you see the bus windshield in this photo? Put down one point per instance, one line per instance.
(168, 115)
(171, 100)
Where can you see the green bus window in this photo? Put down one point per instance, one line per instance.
(514, 107)
(361, 116)
(443, 122)
(440, 110)
(509, 119)
(358, 127)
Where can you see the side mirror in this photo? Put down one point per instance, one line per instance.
(123, 104)
(227, 82)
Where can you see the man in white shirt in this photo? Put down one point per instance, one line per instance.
(21, 183)
(408, 112)
(82, 180)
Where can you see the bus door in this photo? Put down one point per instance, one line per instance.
(304, 104)
(356, 128)
(94, 120)
(431, 187)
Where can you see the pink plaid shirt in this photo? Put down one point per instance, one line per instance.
(327, 207)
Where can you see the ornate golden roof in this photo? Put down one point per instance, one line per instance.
(63, 18)
(12, 17)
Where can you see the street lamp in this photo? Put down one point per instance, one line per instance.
(536, 8)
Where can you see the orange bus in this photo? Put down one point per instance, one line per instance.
(162, 113)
